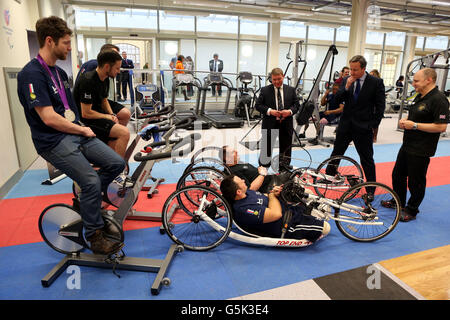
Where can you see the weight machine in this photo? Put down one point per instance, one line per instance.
(438, 61)
(311, 105)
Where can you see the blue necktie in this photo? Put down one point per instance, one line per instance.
(358, 88)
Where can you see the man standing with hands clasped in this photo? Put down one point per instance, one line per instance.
(277, 103)
(427, 118)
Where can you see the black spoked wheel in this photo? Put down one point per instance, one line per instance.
(336, 175)
(362, 220)
(200, 226)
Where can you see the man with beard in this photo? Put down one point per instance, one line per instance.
(91, 96)
(57, 134)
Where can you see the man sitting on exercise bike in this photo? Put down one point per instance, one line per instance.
(58, 136)
(91, 93)
(266, 215)
(256, 179)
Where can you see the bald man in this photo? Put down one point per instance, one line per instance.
(427, 119)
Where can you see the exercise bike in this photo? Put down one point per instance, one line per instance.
(61, 226)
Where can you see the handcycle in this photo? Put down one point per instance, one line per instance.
(61, 226)
(203, 219)
(347, 173)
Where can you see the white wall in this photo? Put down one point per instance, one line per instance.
(14, 53)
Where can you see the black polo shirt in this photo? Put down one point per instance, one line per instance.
(35, 88)
(432, 108)
(248, 173)
(89, 89)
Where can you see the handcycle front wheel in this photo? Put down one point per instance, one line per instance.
(362, 220)
(198, 225)
(336, 175)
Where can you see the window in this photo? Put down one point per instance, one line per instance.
(133, 18)
(133, 53)
(389, 70)
(373, 37)
(168, 51)
(90, 18)
(437, 43)
(342, 34)
(292, 29)
(252, 57)
(395, 39)
(216, 23)
(419, 43)
(251, 27)
(373, 58)
(320, 33)
(93, 46)
(175, 22)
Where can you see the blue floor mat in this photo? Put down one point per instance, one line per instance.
(230, 270)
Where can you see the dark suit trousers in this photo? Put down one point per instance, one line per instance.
(268, 138)
(364, 146)
(410, 171)
(124, 81)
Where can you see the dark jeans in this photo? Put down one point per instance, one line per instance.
(74, 156)
(410, 171)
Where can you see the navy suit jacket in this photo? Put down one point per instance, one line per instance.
(366, 112)
(266, 100)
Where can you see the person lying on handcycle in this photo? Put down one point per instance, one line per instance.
(256, 179)
(267, 215)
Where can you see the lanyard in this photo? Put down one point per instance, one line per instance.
(60, 88)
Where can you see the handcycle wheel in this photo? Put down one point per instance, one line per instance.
(345, 173)
(208, 162)
(201, 176)
(51, 220)
(207, 152)
(197, 227)
(371, 221)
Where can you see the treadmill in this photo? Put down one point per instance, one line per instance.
(219, 118)
(183, 79)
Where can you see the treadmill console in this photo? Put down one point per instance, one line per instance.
(215, 78)
(184, 78)
(146, 90)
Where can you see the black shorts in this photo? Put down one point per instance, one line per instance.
(101, 127)
(304, 227)
(115, 106)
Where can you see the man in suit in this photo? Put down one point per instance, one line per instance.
(216, 65)
(364, 99)
(277, 103)
(125, 75)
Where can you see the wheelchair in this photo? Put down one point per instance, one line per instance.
(199, 218)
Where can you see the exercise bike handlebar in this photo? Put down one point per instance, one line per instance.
(166, 110)
(174, 145)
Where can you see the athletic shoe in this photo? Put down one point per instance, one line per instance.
(101, 245)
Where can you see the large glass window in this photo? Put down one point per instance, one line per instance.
(419, 43)
(292, 29)
(90, 18)
(216, 23)
(93, 46)
(175, 22)
(251, 27)
(390, 69)
(320, 33)
(252, 57)
(395, 39)
(133, 18)
(227, 51)
(315, 56)
(437, 43)
(342, 34)
(373, 37)
(373, 58)
(168, 51)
